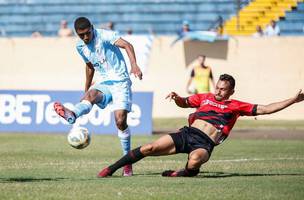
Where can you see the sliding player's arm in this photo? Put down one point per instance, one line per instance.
(277, 106)
(179, 101)
(89, 76)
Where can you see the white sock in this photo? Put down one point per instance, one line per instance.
(82, 108)
(125, 140)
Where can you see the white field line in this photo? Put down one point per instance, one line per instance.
(255, 159)
(228, 160)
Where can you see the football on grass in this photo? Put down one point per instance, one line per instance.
(79, 137)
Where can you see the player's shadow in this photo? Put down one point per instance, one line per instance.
(28, 179)
(210, 174)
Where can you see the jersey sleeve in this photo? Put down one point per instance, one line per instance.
(110, 36)
(195, 100)
(81, 53)
(247, 109)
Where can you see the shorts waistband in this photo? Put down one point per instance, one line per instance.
(201, 133)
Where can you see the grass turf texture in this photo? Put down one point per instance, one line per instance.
(160, 124)
(46, 167)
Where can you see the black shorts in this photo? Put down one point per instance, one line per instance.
(189, 139)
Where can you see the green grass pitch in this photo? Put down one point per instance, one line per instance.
(44, 166)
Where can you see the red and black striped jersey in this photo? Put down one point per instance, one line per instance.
(221, 114)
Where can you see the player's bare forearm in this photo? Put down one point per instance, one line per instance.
(277, 106)
(134, 67)
(179, 101)
(129, 49)
(131, 54)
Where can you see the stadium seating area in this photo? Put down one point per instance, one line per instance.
(258, 13)
(22, 17)
(293, 23)
(19, 18)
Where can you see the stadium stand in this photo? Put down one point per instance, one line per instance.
(22, 17)
(293, 23)
(258, 13)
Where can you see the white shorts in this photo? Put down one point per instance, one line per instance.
(116, 93)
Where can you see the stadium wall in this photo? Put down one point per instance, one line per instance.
(266, 69)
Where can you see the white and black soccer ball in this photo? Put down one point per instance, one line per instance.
(79, 137)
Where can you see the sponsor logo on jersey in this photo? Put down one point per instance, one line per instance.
(211, 103)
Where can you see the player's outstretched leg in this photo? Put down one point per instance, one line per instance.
(84, 106)
(195, 160)
(65, 113)
(181, 173)
(130, 158)
(162, 146)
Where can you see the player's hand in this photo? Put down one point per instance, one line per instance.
(136, 71)
(172, 95)
(299, 97)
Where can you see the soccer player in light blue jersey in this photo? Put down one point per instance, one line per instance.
(100, 51)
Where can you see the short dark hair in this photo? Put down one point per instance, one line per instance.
(82, 23)
(229, 78)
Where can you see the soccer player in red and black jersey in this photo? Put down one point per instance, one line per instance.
(209, 125)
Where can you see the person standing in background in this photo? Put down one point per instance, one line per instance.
(64, 30)
(200, 76)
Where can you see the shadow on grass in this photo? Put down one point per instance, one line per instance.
(210, 174)
(207, 174)
(28, 179)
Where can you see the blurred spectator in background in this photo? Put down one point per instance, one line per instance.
(217, 26)
(185, 28)
(200, 75)
(259, 32)
(36, 34)
(64, 30)
(2, 32)
(129, 31)
(110, 25)
(272, 30)
(220, 26)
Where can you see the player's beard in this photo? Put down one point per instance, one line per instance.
(218, 98)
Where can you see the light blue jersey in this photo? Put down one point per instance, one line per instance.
(106, 58)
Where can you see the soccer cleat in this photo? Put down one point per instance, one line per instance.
(178, 173)
(127, 170)
(169, 173)
(65, 113)
(104, 173)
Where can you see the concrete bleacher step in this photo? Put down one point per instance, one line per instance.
(293, 22)
(163, 16)
(258, 13)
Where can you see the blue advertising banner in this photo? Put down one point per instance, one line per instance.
(32, 111)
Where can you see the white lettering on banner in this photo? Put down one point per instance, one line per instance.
(19, 109)
(40, 101)
(100, 117)
(14, 108)
(50, 115)
(96, 117)
(22, 108)
(7, 108)
(134, 116)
